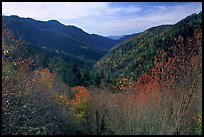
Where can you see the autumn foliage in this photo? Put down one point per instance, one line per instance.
(45, 77)
(80, 103)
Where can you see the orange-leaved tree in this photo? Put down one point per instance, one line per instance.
(79, 105)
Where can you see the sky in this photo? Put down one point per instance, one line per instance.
(105, 18)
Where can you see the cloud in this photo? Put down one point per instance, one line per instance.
(103, 18)
(139, 22)
(47, 10)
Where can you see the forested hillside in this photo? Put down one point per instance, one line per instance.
(136, 56)
(55, 37)
(162, 67)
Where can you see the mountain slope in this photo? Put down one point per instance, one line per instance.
(135, 56)
(52, 35)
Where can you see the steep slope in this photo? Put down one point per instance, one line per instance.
(52, 35)
(135, 56)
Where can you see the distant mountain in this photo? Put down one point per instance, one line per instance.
(126, 37)
(135, 56)
(115, 37)
(54, 36)
(122, 38)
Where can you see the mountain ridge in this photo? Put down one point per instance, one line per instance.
(56, 36)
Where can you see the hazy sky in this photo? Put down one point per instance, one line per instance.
(105, 18)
